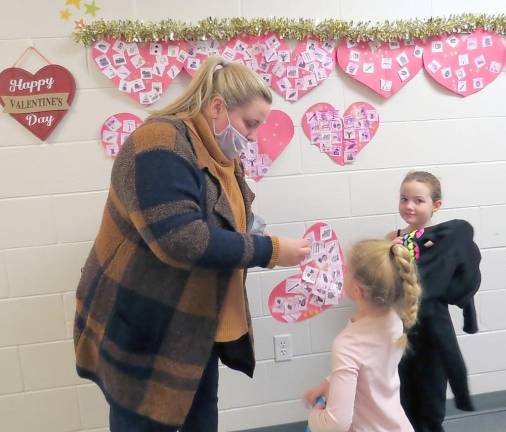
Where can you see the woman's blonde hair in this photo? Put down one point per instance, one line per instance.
(388, 277)
(234, 82)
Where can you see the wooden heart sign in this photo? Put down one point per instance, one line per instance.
(37, 101)
(319, 286)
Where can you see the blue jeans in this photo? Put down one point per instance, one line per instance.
(203, 415)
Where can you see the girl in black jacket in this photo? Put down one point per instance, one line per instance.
(448, 264)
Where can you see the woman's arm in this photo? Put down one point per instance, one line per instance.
(162, 194)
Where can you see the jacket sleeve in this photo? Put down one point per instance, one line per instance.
(466, 279)
(164, 195)
(439, 326)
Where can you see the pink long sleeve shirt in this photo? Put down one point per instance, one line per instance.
(364, 383)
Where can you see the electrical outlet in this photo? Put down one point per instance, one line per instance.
(283, 347)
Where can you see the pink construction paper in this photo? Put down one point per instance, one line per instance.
(116, 129)
(198, 52)
(242, 49)
(272, 138)
(297, 72)
(341, 136)
(319, 286)
(465, 63)
(143, 71)
(385, 67)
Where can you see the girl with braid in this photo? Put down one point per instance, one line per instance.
(448, 264)
(362, 390)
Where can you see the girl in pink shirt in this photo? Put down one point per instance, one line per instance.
(362, 390)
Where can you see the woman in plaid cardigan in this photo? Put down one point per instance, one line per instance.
(162, 294)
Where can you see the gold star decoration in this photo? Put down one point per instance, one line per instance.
(79, 24)
(91, 8)
(65, 14)
(76, 3)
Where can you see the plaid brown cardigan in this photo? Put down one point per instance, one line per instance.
(154, 282)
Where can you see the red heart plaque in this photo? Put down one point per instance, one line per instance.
(38, 101)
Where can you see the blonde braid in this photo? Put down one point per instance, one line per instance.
(411, 290)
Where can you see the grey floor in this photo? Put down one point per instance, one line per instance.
(484, 422)
(490, 416)
(480, 422)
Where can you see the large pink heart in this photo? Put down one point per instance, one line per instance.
(319, 286)
(465, 64)
(198, 52)
(272, 138)
(292, 74)
(141, 70)
(341, 136)
(384, 67)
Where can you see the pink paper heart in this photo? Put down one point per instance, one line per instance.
(141, 70)
(384, 67)
(272, 138)
(304, 69)
(341, 137)
(465, 64)
(244, 49)
(319, 286)
(292, 74)
(116, 129)
(198, 52)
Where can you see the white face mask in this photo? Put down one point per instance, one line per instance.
(231, 141)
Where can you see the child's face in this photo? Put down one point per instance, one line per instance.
(416, 205)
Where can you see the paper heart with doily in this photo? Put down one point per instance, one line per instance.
(341, 136)
(272, 138)
(465, 63)
(143, 71)
(319, 286)
(385, 67)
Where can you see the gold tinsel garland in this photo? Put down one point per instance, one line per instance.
(287, 28)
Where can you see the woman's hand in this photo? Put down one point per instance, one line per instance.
(312, 394)
(292, 251)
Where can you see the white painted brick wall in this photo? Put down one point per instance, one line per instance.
(52, 195)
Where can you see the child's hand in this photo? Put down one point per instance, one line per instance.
(398, 240)
(312, 394)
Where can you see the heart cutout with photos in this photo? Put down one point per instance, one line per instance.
(384, 67)
(116, 129)
(198, 52)
(465, 63)
(143, 71)
(319, 286)
(341, 136)
(272, 138)
(37, 101)
(291, 73)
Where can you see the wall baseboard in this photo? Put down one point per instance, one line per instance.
(484, 403)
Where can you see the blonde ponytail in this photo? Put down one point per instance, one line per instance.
(388, 277)
(234, 82)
